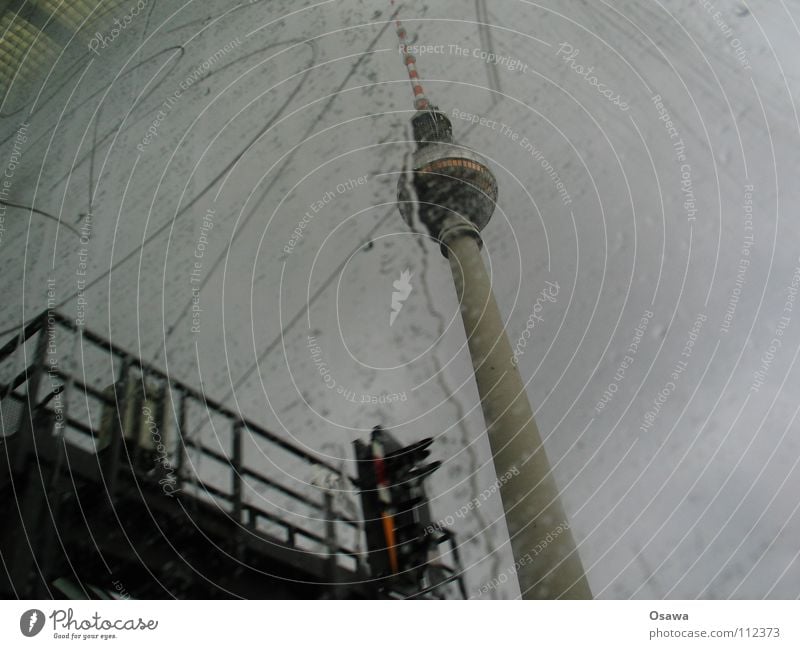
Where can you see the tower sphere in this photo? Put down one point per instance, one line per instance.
(446, 179)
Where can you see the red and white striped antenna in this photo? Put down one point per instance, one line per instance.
(420, 100)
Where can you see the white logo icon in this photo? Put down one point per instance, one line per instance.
(403, 290)
(31, 622)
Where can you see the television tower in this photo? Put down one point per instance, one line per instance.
(452, 192)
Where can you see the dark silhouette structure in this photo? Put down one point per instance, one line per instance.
(110, 503)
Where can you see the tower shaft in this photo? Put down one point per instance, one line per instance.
(546, 560)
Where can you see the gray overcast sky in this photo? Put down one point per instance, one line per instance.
(647, 158)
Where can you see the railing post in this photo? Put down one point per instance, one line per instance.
(181, 446)
(69, 369)
(117, 424)
(27, 431)
(331, 541)
(457, 564)
(236, 466)
(40, 355)
(8, 350)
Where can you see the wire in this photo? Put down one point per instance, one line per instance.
(162, 228)
(275, 178)
(272, 182)
(485, 34)
(263, 195)
(275, 341)
(69, 77)
(186, 208)
(63, 224)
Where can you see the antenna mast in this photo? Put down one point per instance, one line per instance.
(410, 61)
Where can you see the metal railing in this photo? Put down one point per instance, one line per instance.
(129, 366)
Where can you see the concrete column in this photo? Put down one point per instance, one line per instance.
(547, 563)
